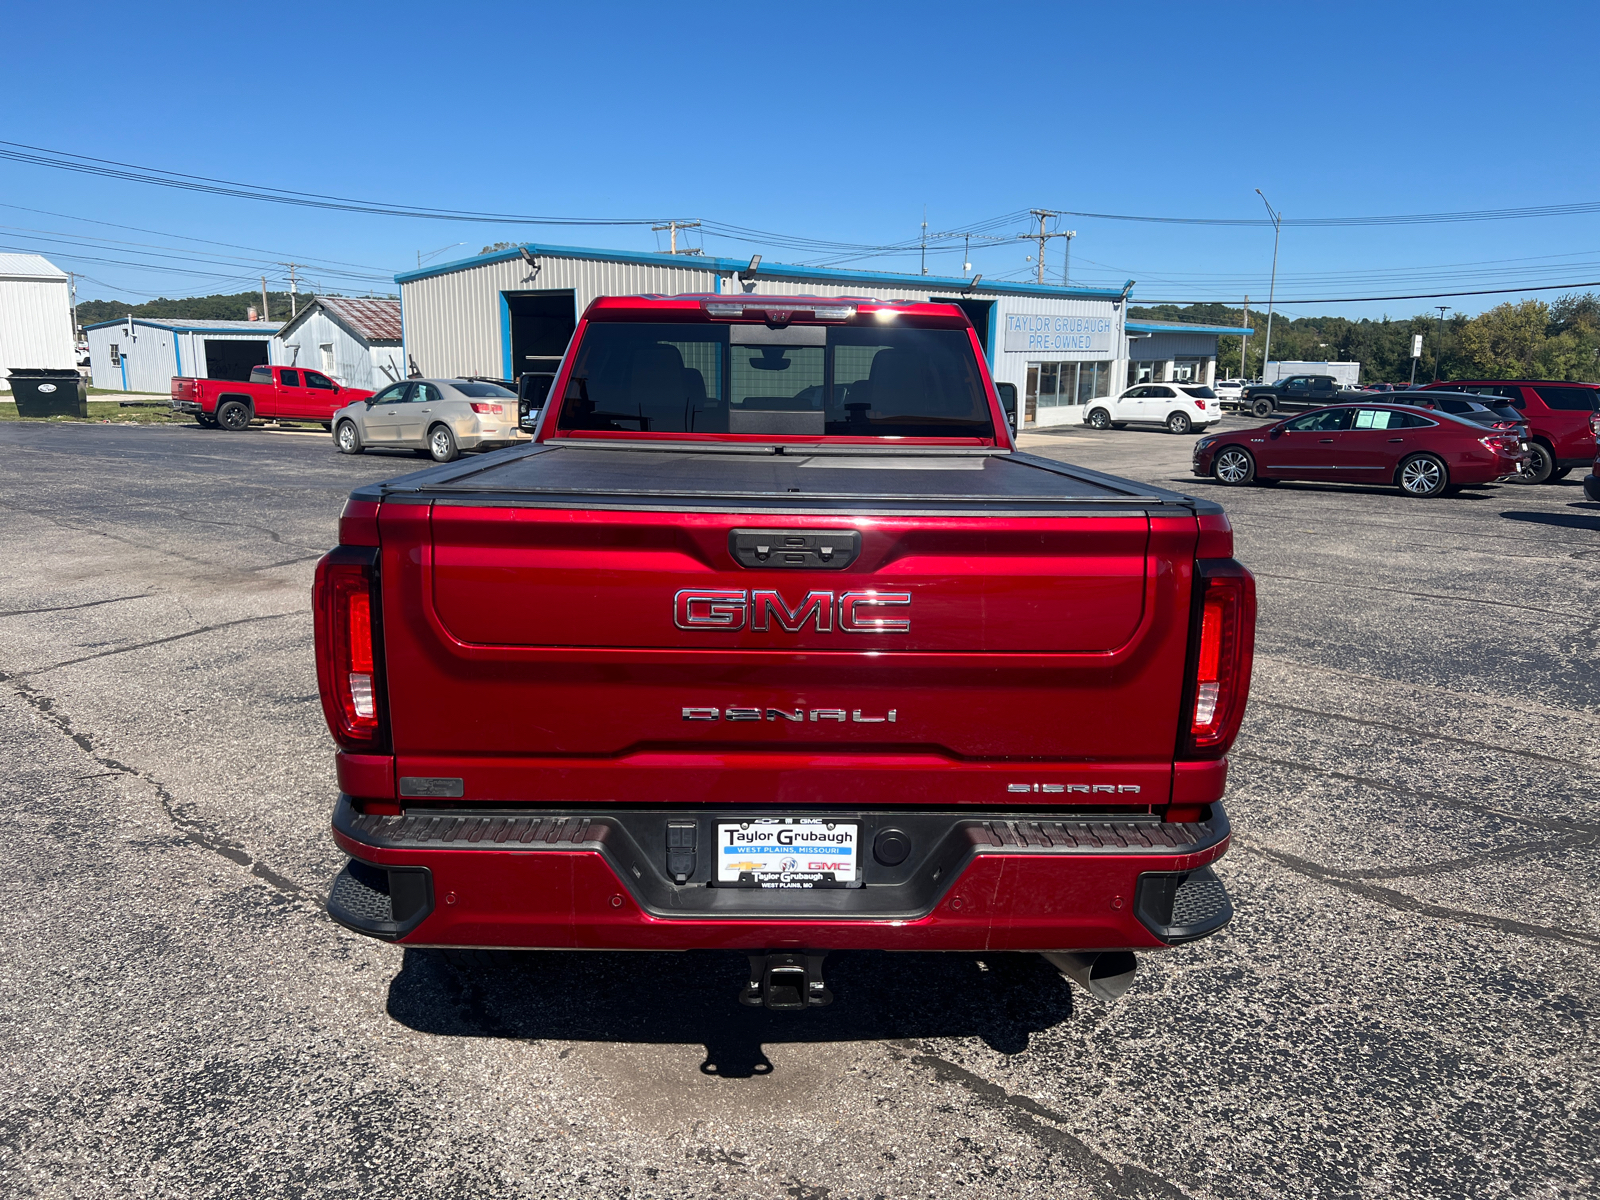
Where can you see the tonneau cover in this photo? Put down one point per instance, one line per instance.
(852, 478)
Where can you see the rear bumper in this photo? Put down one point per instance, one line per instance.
(498, 440)
(559, 879)
(191, 407)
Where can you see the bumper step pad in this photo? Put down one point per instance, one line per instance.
(469, 830)
(1182, 907)
(1095, 835)
(383, 902)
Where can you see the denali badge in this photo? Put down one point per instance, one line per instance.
(795, 715)
(1086, 788)
(730, 609)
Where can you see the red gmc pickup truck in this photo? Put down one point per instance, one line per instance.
(273, 394)
(772, 641)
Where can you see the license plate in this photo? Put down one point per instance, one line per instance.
(788, 854)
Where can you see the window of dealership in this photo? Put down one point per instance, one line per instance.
(1059, 384)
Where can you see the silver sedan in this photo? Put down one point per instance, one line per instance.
(442, 417)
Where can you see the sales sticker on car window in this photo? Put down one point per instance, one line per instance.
(788, 855)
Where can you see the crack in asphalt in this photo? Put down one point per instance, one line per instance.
(176, 637)
(1556, 825)
(61, 522)
(1427, 733)
(1445, 866)
(198, 832)
(1128, 1181)
(1587, 618)
(23, 612)
(1410, 904)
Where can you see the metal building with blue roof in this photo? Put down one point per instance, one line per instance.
(509, 311)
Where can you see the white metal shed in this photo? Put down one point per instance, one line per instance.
(355, 340)
(142, 354)
(35, 316)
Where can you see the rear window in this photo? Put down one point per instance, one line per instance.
(1200, 393)
(1568, 399)
(484, 391)
(804, 380)
(260, 374)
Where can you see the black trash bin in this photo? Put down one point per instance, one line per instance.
(48, 393)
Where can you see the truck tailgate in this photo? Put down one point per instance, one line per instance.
(1035, 632)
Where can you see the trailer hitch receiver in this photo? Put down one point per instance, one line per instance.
(786, 982)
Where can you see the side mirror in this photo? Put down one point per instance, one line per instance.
(371, 400)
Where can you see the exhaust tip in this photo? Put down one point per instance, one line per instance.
(1104, 974)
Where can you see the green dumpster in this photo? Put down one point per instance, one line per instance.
(48, 393)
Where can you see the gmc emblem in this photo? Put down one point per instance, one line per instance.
(729, 609)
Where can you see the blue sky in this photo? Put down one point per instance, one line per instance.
(834, 122)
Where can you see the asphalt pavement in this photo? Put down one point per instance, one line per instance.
(1404, 1005)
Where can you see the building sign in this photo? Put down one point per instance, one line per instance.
(1041, 333)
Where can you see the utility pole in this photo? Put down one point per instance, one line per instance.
(1066, 263)
(673, 227)
(1042, 237)
(1438, 351)
(72, 277)
(294, 309)
(924, 239)
(1244, 342)
(265, 316)
(1272, 291)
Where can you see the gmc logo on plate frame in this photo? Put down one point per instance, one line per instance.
(730, 609)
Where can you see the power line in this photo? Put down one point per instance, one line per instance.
(180, 236)
(1578, 208)
(1542, 287)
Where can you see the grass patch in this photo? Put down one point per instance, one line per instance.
(101, 411)
(111, 412)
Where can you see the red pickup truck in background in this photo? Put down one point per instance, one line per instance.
(773, 642)
(273, 394)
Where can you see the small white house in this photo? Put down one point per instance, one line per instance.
(357, 341)
(35, 316)
(142, 354)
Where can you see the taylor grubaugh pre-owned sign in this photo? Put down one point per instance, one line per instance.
(1043, 333)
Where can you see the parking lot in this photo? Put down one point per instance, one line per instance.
(1404, 1004)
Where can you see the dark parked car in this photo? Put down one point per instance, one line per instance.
(1480, 410)
(532, 389)
(1557, 414)
(1422, 452)
(1293, 393)
(1591, 481)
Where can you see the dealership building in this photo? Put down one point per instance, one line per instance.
(510, 311)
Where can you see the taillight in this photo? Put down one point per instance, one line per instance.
(1594, 423)
(1224, 631)
(1200, 404)
(349, 650)
(488, 408)
(1499, 443)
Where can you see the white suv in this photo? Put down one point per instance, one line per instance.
(1181, 407)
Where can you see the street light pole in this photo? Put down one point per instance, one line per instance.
(1272, 290)
(1438, 351)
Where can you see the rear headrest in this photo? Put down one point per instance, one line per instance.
(898, 382)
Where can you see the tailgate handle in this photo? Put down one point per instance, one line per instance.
(795, 549)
